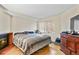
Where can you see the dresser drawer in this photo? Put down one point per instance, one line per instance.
(77, 52)
(73, 39)
(65, 50)
(77, 40)
(71, 46)
(73, 53)
(64, 42)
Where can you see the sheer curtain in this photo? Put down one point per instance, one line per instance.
(76, 25)
(41, 27)
(45, 27)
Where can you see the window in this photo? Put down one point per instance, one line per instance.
(45, 27)
(74, 25)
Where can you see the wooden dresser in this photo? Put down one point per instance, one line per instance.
(70, 44)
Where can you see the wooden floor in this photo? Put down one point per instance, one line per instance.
(52, 49)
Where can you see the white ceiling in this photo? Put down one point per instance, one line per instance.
(38, 10)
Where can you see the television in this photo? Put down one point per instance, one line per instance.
(3, 40)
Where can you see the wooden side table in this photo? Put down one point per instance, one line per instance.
(10, 37)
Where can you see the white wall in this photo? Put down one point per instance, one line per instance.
(23, 24)
(15, 23)
(4, 22)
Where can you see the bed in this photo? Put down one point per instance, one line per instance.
(30, 43)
